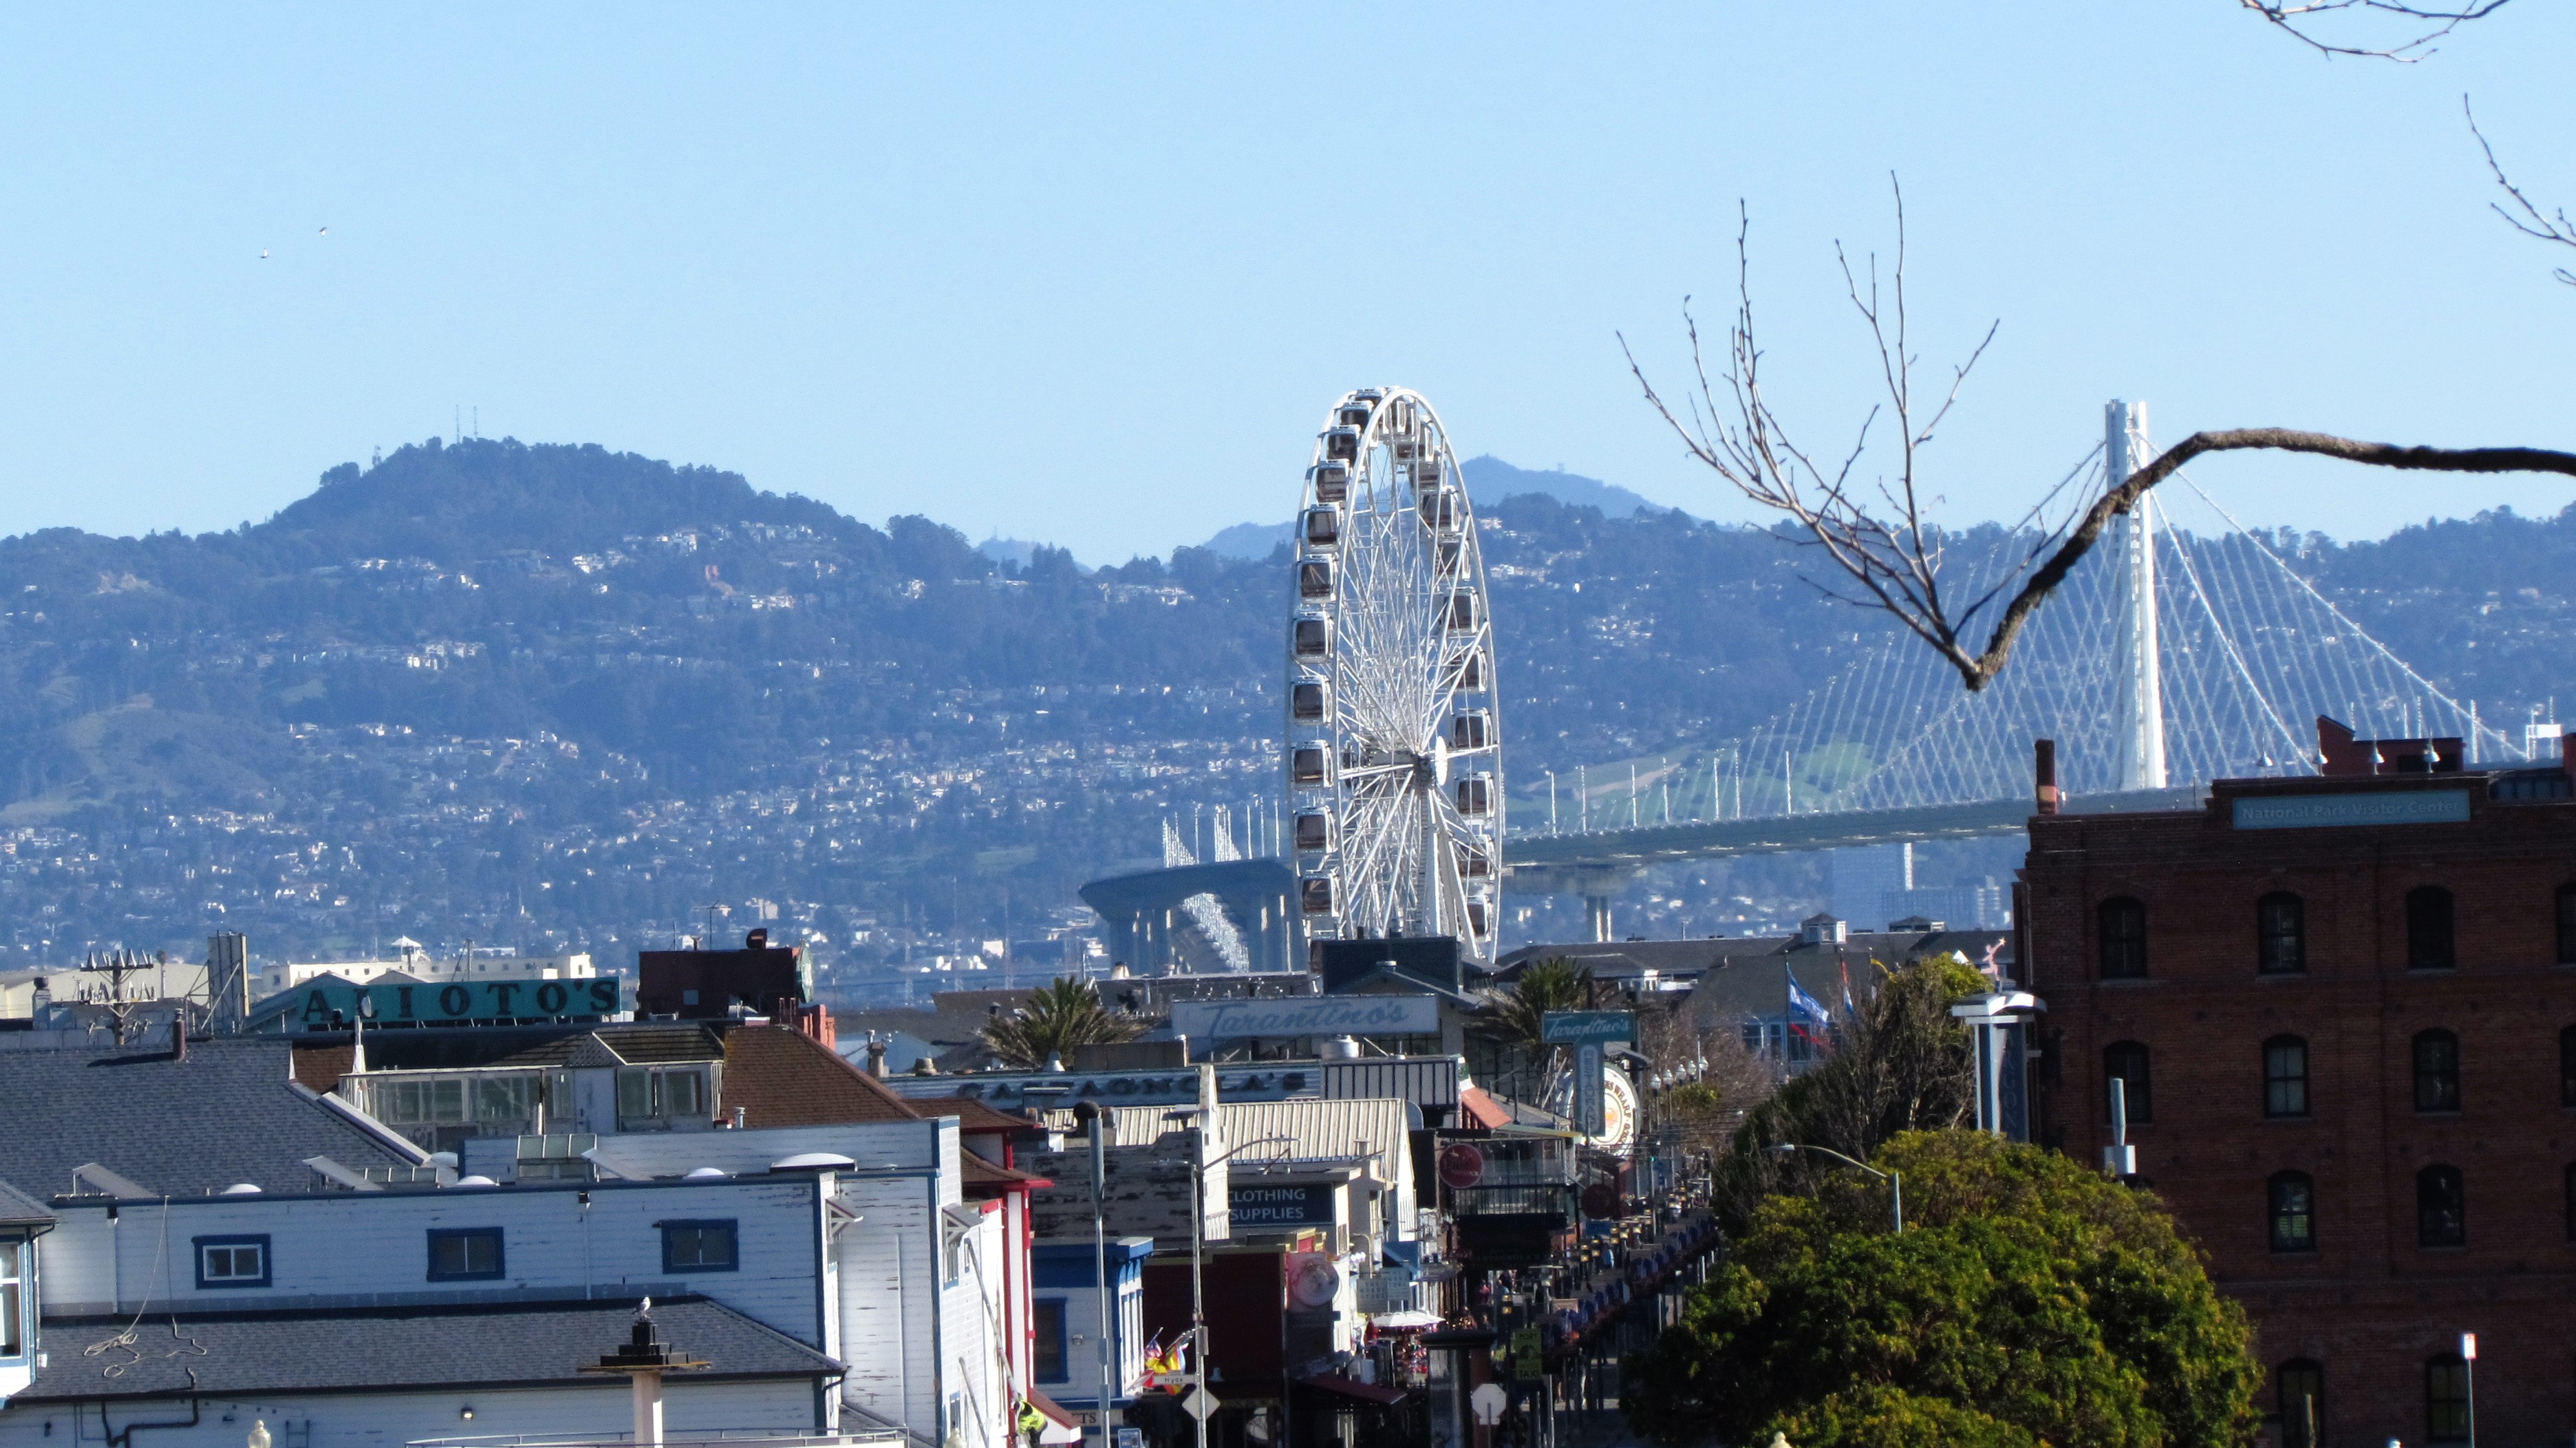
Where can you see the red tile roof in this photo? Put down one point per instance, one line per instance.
(1482, 1109)
(780, 1076)
(994, 1176)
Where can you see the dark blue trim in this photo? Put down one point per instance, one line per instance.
(500, 1263)
(733, 1239)
(267, 1261)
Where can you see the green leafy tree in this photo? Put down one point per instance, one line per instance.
(1056, 1018)
(2028, 1301)
(1898, 1063)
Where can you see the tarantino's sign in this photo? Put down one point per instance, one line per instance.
(1354, 1015)
(434, 1004)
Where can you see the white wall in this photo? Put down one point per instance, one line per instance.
(354, 1243)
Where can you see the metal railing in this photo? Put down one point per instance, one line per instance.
(734, 1437)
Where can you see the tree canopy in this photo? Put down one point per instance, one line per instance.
(1058, 1017)
(2028, 1301)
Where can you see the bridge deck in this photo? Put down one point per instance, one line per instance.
(1778, 834)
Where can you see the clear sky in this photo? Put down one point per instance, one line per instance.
(1091, 275)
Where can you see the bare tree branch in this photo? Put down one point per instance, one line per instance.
(1890, 554)
(2297, 18)
(2532, 221)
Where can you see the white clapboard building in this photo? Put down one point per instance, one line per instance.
(341, 1289)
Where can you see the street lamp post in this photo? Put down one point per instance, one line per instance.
(1895, 1180)
(1198, 1223)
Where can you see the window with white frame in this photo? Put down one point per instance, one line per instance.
(232, 1262)
(14, 1258)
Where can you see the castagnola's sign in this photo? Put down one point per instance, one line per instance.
(1354, 1015)
(431, 1004)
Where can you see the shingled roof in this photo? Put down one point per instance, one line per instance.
(225, 1114)
(405, 1349)
(779, 1076)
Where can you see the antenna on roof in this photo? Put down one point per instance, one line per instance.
(120, 1005)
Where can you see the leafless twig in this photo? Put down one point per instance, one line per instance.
(2530, 220)
(2297, 18)
(1891, 552)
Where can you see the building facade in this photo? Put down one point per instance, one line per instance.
(2343, 1013)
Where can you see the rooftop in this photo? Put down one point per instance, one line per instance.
(403, 1349)
(225, 1114)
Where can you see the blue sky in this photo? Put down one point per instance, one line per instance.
(1092, 274)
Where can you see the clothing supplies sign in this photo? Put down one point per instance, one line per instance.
(1299, 1204)
(429, 1003)
(1574, 1028)
(1354, 1015)
(2321, 811)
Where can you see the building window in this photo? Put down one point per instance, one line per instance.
(2428, 928)
(2567, 1067)
(464, 1254)
(2446, 1399)
(2285, 1076)
(2126, 1061)
(2571, 1203)
(232, 1261)
(2123, 928)
(700, 1247)
(2302, 1386)
(2437, 1071)
(2567, 924)
(1048, 1329)
(13, 1299)
(642, 1092)
(2280, 934)
(2294, 1212)
(2441, 1208)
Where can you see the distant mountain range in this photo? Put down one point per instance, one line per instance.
(1489, 481)
(558, 695)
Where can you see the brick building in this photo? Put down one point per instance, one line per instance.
(2345, 1011)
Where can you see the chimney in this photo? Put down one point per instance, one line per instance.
(2044, 757)
(876, 1055)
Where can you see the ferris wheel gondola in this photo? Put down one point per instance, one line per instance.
(1394, 740)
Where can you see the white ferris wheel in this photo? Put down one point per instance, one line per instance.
(1395, 771)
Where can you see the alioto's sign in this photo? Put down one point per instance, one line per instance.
(429, 1003)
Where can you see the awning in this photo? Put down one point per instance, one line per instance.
(1354, 1388)
(1061, 1426)
(1404, 1321)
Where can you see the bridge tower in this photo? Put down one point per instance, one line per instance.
(2141, 716)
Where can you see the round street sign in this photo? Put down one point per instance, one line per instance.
(1461, 1166)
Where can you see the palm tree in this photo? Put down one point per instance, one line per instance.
(1518, 1015)
(1055, 1019)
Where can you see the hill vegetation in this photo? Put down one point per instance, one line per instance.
(559, 694)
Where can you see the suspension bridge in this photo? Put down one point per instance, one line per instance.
(2187, 648)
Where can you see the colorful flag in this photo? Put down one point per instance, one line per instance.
(1801, 1003)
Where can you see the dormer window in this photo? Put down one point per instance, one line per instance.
(1822, 929)
(13, 1297)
